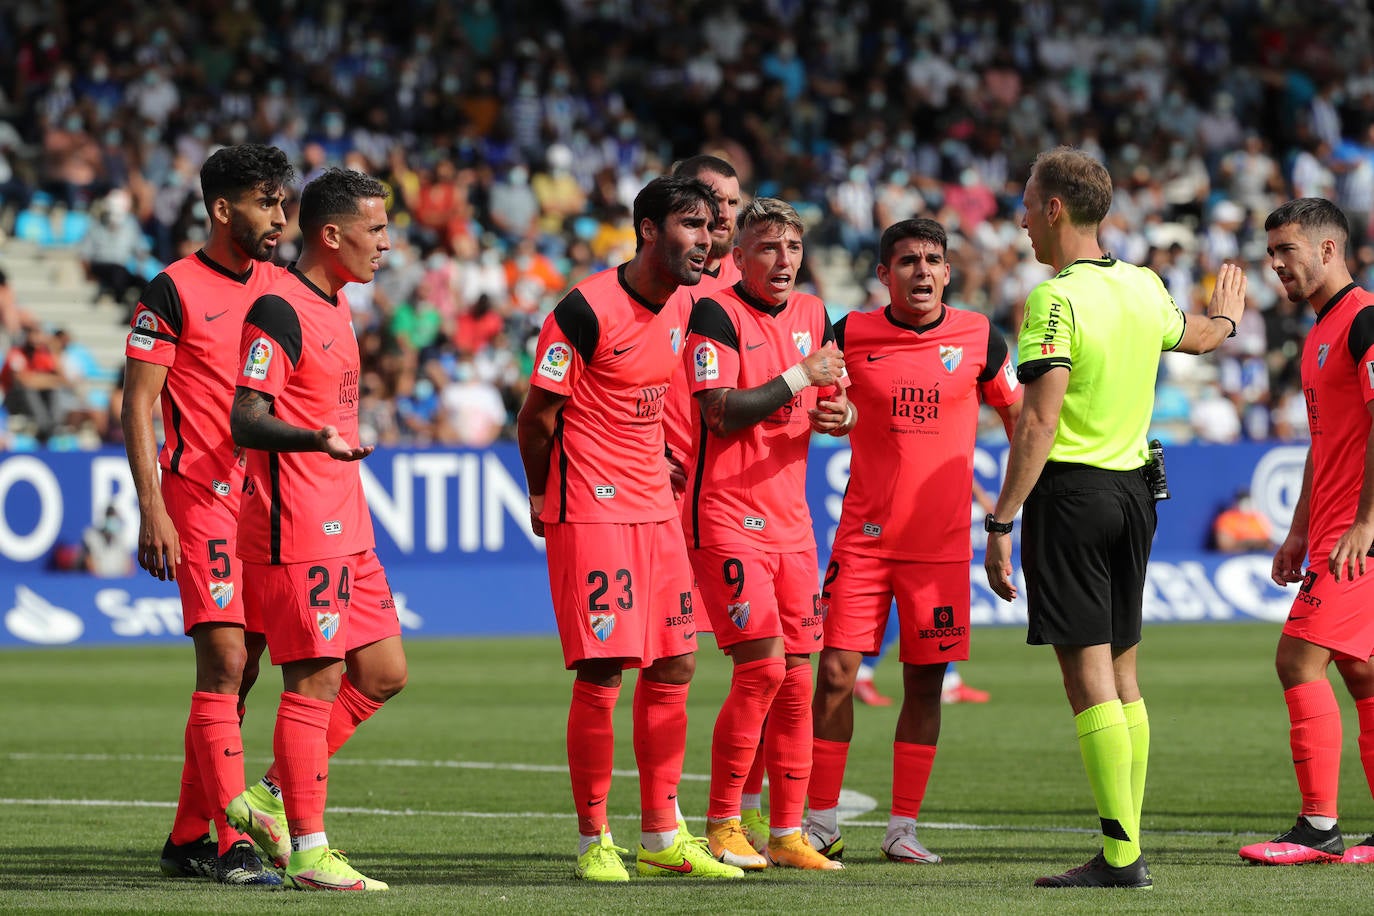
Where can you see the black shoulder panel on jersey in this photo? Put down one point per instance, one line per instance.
(997, 351)
(578, 323)
(709, 319)
(839, 331)
(1361, 333)
(163, 299)
(275, 316)
(828, 336)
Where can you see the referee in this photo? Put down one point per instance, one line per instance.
(1088, 354)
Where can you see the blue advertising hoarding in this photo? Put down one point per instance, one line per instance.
(453, 530)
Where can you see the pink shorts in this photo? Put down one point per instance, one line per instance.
(1334, 615)
(932, 606)
(209, 576)
(322, 609)
(621, 591)
(750, 594)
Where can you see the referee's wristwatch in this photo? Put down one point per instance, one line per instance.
(992, 526)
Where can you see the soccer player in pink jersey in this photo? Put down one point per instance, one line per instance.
(305, 533)
(758, 355)
(591, 440)
(1332, 530)
(188, 519)
(918, 372)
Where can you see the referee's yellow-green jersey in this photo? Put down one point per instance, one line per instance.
(1106, 322)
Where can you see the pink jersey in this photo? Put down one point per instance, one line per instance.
(681, 417)
(610, 352)
(1338, 382)
(182, 322)
(298, 348)
(749, 487)
(917, 391)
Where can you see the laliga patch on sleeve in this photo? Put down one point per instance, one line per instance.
(1369, 372)
(259, 359)
(706, 362)
(1010, 372)
(144, 322)
(556, 360)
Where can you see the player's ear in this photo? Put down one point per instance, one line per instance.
(221, 210)
(331, 235)
(883, 274)
(648, 231)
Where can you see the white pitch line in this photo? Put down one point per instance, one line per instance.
(853, 804)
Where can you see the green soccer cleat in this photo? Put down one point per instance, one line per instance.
(601, 861)
(196, 859)
(686, 858)
(755, 825)
(261, 815)
(325, 869)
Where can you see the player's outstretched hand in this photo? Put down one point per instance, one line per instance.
(824, 366)
(333, 445)
(1287, 567)
(159, 546)
(1228, 296)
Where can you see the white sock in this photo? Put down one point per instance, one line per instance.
(677, 808)
(751, 802)
(308, 841)
(824, 820)
(776, 832)
(953, 680)
(657, 842)
(865, 672)
(897, 825)
(1320, 823)
(587, 842)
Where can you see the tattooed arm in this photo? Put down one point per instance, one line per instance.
(728, 409)
(254, 426)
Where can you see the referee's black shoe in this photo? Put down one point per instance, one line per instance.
(1097, 873)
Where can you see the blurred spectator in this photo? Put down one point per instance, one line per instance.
(33, 383)
(103, 551)
(113, 247)
(471, 412)
(1241, 528)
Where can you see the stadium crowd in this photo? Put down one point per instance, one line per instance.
(513, 136)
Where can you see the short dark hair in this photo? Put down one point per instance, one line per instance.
(1077, 179)
(694, 166)
(234, 171)
(335, 193)
(667, 195)
(921, 227)
(1312, 214)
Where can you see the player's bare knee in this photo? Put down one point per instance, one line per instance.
(678, 669)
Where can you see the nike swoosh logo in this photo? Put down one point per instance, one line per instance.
(946, 648)
(596, 801)
(873, 359)
(682, 868)
(324, 885)
(328, 345)
(619, 351)
(689, 635)
(790, 776)
(752, 346)
(209, 317)
(734, 775)
(319, 778)
(237, 753)
(818, 635)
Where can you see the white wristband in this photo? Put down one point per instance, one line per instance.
(796, 378)
(851, 419)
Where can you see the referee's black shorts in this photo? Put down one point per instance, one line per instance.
(1085, 543)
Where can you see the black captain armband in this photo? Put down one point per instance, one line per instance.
(1227, 320)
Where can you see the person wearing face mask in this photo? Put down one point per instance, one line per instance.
(514, 206)
(113, 244)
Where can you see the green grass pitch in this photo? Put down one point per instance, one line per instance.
(457, 793)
